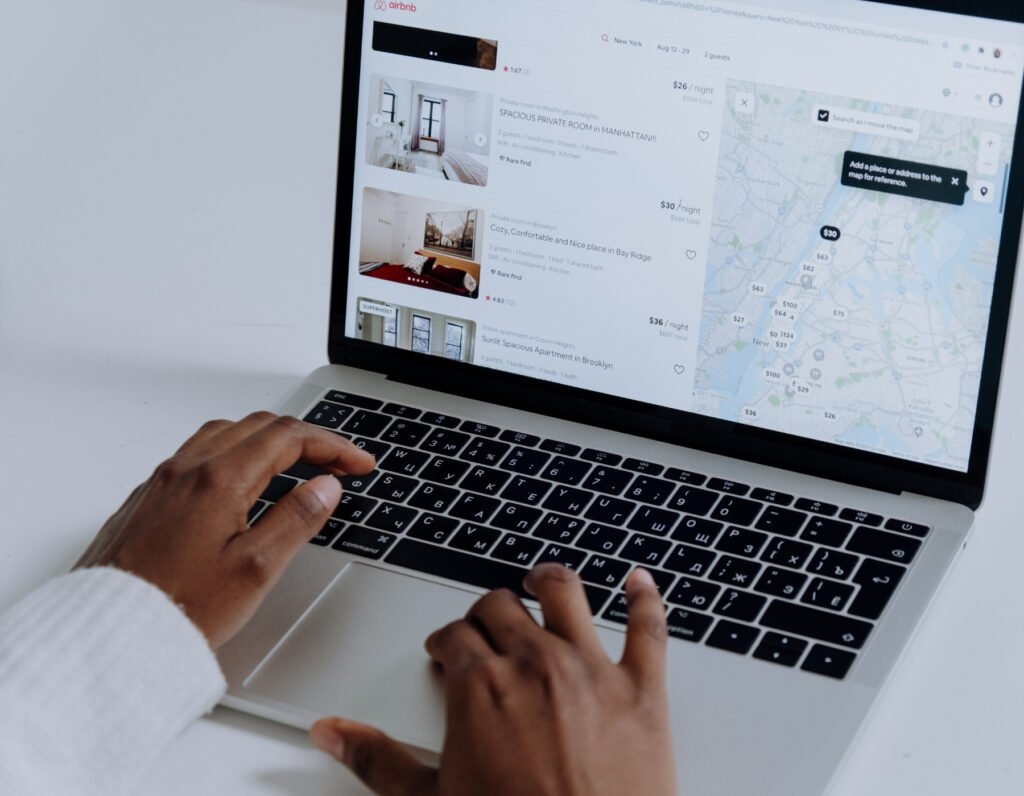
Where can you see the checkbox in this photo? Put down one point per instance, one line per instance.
(823, 115)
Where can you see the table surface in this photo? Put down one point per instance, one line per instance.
(166, 209)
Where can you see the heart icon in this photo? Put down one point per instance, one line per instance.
(679, 369)
(703, 135)
(691, 254)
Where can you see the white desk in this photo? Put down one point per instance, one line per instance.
(166, 194)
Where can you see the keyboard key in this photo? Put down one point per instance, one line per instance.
(732, 637)
(279, 486)
(650, 490)
(688, 625)
(617, 611)
(779, 520)
(651, 520)
(526, 490)
(404, 460)
(480, 429)
(685, 476)
(604, 571)
(860, 517)
(434, 497)
(339, 396)
(445, 421)
(827, 532)
(364, 542)
(692, 593)
(328, 415)
(366, 423)
(610, 510)
(443, 470)
(882, 544)
(517, 549)
(771, 496)
(780, 649)
(828, 661)
(519, 438)
(475, 508)
(741, 542)
(392, 518)
(601, 538)
(731, 487)
(787, 553)
(740, 605)
(802, 620)
(525, 460)
(833, 564)
(691, 560)
(566, 471)
(780, 582)
(328, 533)
(444, 562)
(433, 528)
(304, 471)
(609, 480)
(816, 507)
(359, 483)
(445, 441)
(401, 410)
(568, 557)
(827, 594)
(374, 447)
(877, 581)
(735, 571)
(485, 451)
(663, 580)
(645, 550)
(640, 466)
(475, 538)
(516, 517)
(485, 480)
(907, 527)
(568, 500)
(562, 448)
(395, 488)
(738, 511)
(354, 508)
(601, 457)
(696, 530)
(405, 432)
(692, 500)
(559, 528)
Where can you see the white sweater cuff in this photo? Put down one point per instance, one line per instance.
(104, 668)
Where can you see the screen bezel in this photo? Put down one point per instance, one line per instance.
(687, 429)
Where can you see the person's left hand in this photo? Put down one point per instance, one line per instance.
(185, 530)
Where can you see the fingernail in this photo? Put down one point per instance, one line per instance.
(643, 577)
(325, 737)
(327, 488)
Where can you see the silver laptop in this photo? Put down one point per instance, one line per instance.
(718, 289)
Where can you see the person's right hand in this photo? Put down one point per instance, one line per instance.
(535, 711)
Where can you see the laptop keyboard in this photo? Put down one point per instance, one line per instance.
(787, 579)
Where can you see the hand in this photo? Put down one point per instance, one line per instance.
(185, 529)
(531, 710)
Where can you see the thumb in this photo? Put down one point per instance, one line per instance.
(380, 762)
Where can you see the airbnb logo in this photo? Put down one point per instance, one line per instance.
(394, 5)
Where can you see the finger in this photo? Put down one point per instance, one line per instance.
(646, 629)
(458, 645)
(292, 522)
(281, 443)
(381, 763)
(503, 620)
(564, 605)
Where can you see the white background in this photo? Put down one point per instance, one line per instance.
(166, 208)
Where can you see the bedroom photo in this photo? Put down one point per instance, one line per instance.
(423, 331)
(433, 131)
(421, 242)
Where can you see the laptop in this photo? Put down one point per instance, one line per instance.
(717, 289)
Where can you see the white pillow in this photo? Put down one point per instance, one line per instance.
(415, 263)
(469, 283)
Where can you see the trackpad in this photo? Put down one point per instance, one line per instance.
(358, 653)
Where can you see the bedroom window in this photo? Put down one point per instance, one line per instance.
(454, 335)
(387, 105)
(421, 334)
(391, 329)
(431, 118)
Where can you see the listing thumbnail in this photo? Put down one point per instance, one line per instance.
(421, 242)
(429, 130)
(415, 330)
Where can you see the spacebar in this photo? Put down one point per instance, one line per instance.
(483, 572)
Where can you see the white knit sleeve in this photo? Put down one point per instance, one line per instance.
(99, 670)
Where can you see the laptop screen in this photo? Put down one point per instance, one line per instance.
(760, 212)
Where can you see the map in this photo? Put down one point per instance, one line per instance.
(840, 313)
